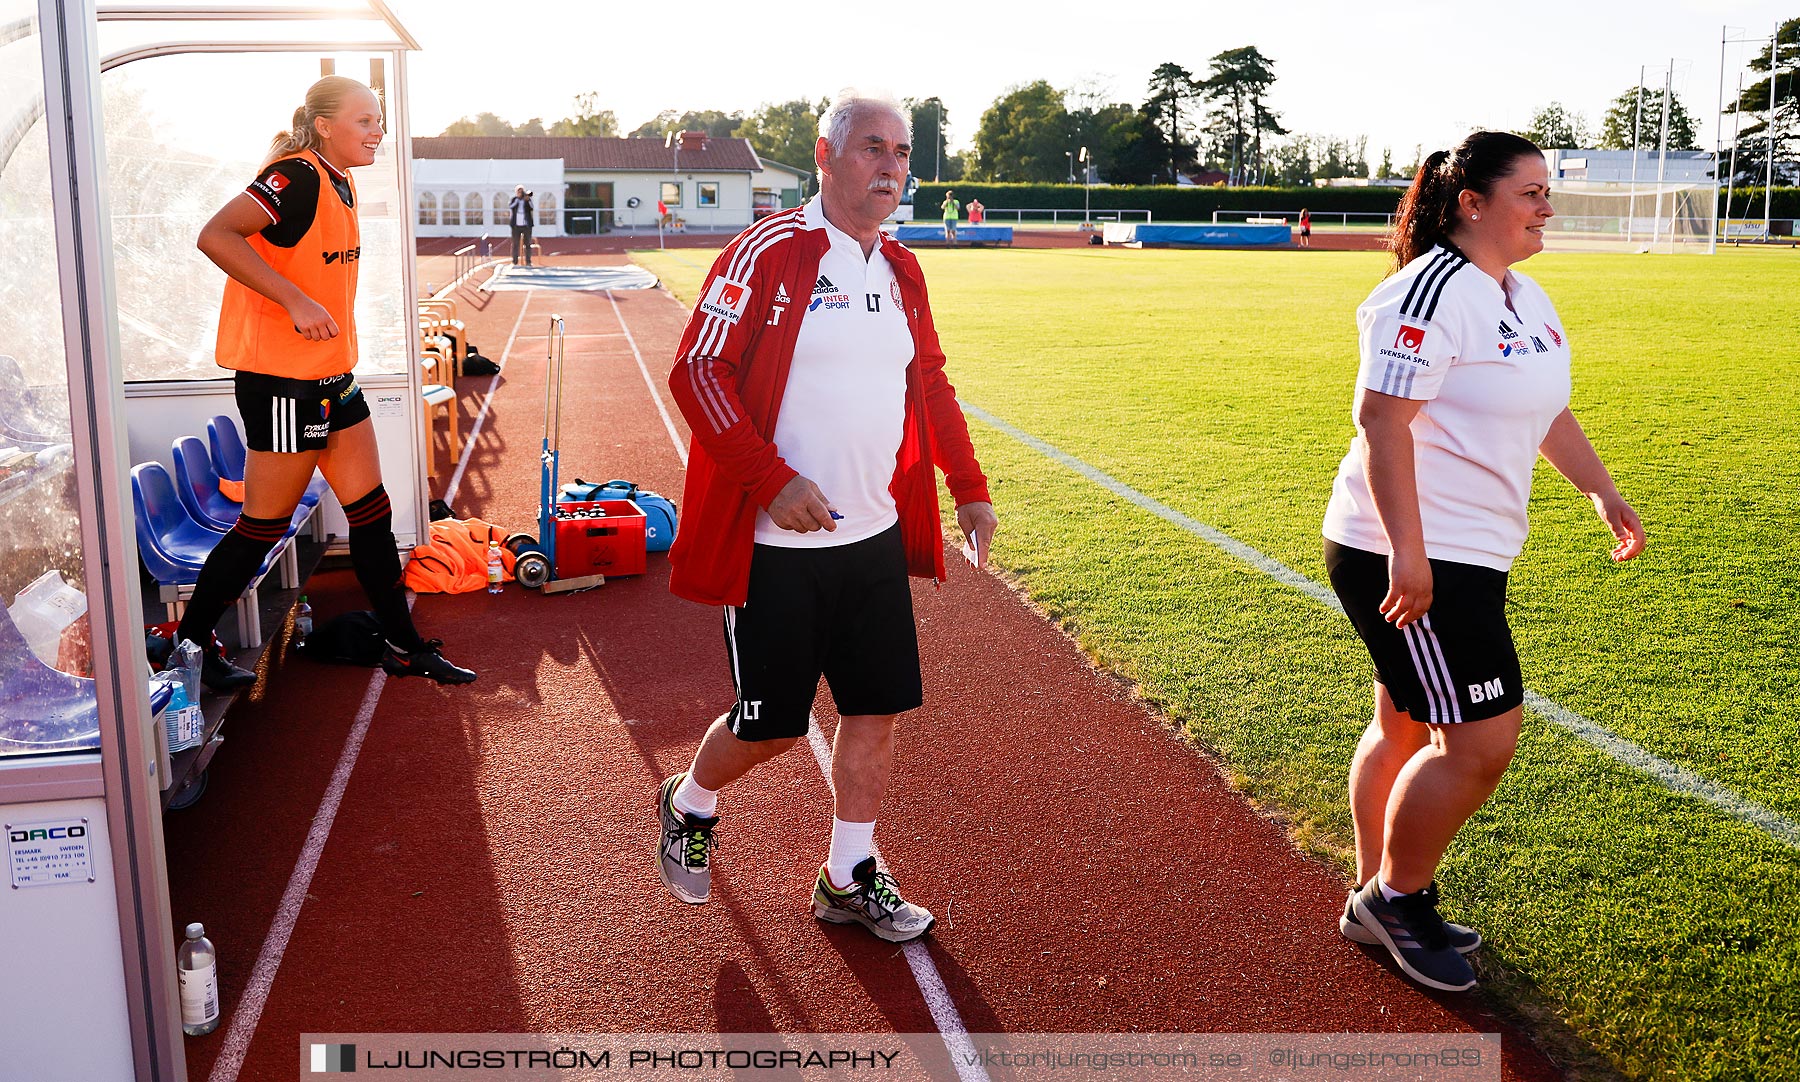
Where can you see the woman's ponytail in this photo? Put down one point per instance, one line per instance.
(323, 98)
(1427, 211)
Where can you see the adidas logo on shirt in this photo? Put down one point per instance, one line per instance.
(1507, 332)
(781, 296)
(823, 285)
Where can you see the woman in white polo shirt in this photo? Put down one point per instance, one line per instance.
(1464, 381)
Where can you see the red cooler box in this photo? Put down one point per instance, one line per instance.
(599, 537)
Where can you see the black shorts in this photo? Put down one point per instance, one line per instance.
(843, 612)
(1457, 662)
(297, 414)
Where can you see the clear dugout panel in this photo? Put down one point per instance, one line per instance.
(47, 702)
(184, 135)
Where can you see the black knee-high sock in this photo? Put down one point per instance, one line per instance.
(377, 561)
(228, 569)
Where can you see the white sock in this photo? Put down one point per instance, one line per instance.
(1387, 892)
(692, 798)
(851, 844)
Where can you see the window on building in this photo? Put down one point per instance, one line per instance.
(472, 209)
(452, 209)
(503, 208)
(671, 193)
(707, 194)
(427, 208)
(546, 208)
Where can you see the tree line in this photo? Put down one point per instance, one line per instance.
(1216, 125)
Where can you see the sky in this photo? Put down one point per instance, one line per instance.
(1402, 72)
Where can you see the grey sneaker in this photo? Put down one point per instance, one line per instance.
(874, 902)
(685, 851)
(1463, 939)
(1413, 933)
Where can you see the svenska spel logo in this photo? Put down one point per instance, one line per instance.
(276, 182)
(726, 300)
(1411, 338)
(333, 1058)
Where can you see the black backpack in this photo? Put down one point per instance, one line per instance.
(353, 638)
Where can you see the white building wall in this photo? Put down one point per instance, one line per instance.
(436, 181)
(733, 211)
(1614, 166)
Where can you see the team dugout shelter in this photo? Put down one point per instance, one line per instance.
(123, 128)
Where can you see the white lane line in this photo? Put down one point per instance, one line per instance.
(925, 972)
(462, 464)
(1675, 778)
(605, 334)
(255, 995)
(656, 396)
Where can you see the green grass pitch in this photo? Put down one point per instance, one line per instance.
(1643, 931)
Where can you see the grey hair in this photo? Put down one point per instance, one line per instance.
(834, 122)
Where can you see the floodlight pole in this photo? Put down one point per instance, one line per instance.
(1637, 116)
(1769, 176)
(1737, 116)
(937, 147)
(1718, 142)
(1662, 155)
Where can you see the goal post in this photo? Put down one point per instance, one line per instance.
(1641, 217)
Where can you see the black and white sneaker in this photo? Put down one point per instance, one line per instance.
(1413, 933)
(1463, 939)
(426, 662)
(217, 673)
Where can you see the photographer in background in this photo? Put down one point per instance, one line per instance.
(523, 214)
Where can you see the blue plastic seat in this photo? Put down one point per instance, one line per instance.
(198, 486)
(229, 454)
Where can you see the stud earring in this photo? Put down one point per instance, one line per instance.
(1474, 217)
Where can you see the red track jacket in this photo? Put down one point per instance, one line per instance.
(729, 376)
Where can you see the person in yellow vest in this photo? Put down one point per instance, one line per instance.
(290, 247)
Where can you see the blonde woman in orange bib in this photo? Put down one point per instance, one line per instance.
(290, 246)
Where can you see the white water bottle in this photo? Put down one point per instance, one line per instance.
(303, 622)
(197, 975)
(496, 569)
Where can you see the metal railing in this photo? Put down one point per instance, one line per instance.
(1364, 218)
(469, 257)
(1054, 215)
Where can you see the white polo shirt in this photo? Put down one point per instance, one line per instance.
(1493, 375)
(844, 409)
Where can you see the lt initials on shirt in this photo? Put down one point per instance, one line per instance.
(1481, 693)
(873, 300)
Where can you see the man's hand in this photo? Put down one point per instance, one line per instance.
(978, 523)
(801, 507)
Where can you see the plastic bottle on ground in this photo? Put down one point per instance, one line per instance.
(303, 622)
(197, 975)
(496, 569)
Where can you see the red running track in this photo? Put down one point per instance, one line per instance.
(490, 866)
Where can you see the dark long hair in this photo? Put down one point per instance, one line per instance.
(1426, 211)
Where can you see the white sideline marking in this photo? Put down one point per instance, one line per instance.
(268, 960)
(462, 464)
(1676, 778)
(656, 396)
(931, 985)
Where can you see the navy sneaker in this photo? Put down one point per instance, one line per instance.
(1462, 938)
(1413, 933)
(426, 662)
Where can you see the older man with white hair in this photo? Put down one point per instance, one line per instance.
(811, 375)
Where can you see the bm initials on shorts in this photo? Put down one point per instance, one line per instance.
(1481, 693)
